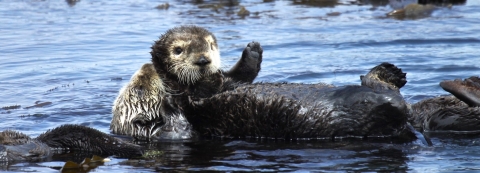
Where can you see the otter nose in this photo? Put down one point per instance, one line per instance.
(202, 61)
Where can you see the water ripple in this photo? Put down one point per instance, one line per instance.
(78, 55)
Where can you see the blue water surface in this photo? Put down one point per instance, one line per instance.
(70, 58)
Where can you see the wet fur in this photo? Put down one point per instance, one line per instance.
(18, 146)
(296, 111)
(175, 76)
(467, 90)
(457, 112)
(138, 105)
(194, 42)
(385, 76)
(218, 104)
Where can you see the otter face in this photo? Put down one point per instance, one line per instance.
(187, 52)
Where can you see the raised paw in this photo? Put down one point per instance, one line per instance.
(385, 75)
(247, 68)
(252, 55)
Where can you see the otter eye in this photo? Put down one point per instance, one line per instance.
(178, 50)
(211, 46)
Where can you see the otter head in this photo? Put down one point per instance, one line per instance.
(187, 53)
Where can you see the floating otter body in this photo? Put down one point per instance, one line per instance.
(186, 62)
(296, 111)
(16, 146)
(457, 112)
(193, 90)
(191, 94)
(287, 111)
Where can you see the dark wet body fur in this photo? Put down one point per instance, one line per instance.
(292, 111)
(457, 112)
(295, 111)
(16, 146)
(175, 104)
(225, 104)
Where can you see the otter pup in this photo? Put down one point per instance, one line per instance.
(295, 111)
(458, 112)
(186, 66)
(139, 103)
(18, 146)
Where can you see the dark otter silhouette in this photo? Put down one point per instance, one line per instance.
(186, 62)
(296, 111)
(457, 112)
(16, 146)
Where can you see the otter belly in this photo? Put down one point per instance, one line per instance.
(294, 111)
(349, 110)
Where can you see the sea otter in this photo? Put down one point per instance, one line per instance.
(286, 111)
(16, 146)
(186, 62)
(457, 112)
(307, 111)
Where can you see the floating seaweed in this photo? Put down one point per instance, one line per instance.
(11, 107)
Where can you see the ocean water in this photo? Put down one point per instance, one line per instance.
(63, 62)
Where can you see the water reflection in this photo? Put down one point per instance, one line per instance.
(276, 156)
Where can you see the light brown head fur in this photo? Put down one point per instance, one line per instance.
(186, 54)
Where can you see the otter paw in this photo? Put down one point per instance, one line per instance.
(247, 68)
(252, 55)
(385, 75)
(393, 75)
(467, 90)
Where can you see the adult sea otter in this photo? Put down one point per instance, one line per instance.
(186, 62)
(191, 93)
